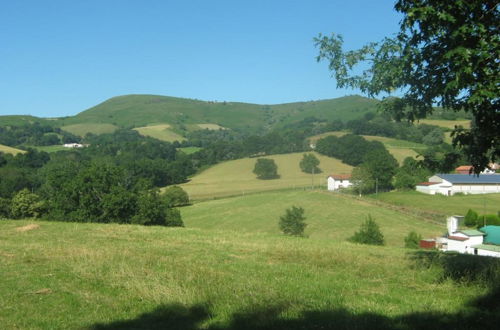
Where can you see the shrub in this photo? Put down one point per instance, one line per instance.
(369, 233)
(292, 223)
(26, 205)
(266, 169)
(175, 196)
(4, 207)
(470, 218)
(309, 164)
(412, 240)
(488, 219)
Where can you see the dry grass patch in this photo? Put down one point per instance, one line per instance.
(161, 132)
(27, 227)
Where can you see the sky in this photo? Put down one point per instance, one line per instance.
(60, 57)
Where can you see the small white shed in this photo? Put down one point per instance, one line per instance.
(338, 181)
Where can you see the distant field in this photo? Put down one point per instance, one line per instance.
(83, 129)
(53, 148)
(443, 205)
(214, 127)
(189, 150)
(161, 132)
(330, 216)
(110, 276)
(236, 176)
(446, 123)
(10, 150)
(400, 149)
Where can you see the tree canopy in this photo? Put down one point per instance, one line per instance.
(446, 54)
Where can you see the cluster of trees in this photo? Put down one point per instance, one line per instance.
(473, 219)
(383, 126)
(34, 134)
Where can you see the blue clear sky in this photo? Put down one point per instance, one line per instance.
(60, 57)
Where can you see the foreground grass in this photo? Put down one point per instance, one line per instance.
(442, 205)
(73, 275)
(329, 216)
(236, 177)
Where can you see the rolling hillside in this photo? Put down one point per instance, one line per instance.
(236, 177)
(10, 150)
(144, 110)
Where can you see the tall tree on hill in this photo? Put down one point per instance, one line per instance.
(266, 169)
(446, 53)
(309, 164)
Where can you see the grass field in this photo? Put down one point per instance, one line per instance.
(236, 176)
(189, 150)
(54, 148)
(94, 128)
(108, 276)
(214, 127)
(161, 132)
(10, 150)
(330, 216)
(446, 123)
(400, 149)
(442, 205)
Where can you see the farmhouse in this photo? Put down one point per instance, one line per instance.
(450, 184)
(73, 145)
(338, 181)
(483, 242)
(467, 169)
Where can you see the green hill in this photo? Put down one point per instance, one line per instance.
(10, 150)
(145, 110)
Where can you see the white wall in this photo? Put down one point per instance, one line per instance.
(337, 184)
(488, 253)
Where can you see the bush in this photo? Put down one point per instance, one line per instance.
(488, 219)
(175, 196)
(26, 205)
(369, 233)
(292, 223)
(470, 218)
(412, 241)
(4, 207)
(266, 169)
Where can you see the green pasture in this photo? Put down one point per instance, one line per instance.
(94, 128)
(440, 204)
(110, 276)
(161, 132)
(53, 148)
(330, 216)
(213, 127)
(446, 123)
(10, 150)
(189, 150)
(236, 177)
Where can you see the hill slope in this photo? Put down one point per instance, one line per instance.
(111, 276)
(143, 110)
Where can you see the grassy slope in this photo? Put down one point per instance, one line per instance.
(446, 123)
(236, 176)
(19, 120)
(141, 110)
(400, 149)
(330, 216)
(94, 128)
(73, 275)
(10, 150)
(442, 205)
(161, 132)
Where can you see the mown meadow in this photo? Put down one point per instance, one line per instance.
(109, 276)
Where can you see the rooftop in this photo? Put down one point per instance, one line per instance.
(457, 238)
(472, 232)
(489, 247)
(492, 234)
(340, 176)
(471, 178)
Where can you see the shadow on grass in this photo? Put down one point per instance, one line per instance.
(480, 313)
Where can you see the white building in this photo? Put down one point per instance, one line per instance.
(338, 181)
(450, 184)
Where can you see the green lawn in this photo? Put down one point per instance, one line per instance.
(189, 150)
(109, 276)
(53, 148)
(442, 205)
(446, 123)
(236, 177)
